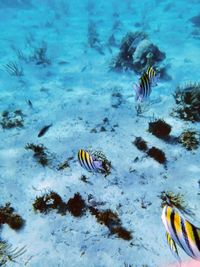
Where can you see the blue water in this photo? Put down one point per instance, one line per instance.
(70, 64)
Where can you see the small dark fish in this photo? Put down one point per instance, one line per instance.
(30, 103)
(44, 130)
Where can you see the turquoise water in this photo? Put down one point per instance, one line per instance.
(73, 66)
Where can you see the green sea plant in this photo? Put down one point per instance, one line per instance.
(189, 139)
(9, 254)
(170, 198)
(40, 153)
(10, 217)
(12, 119)
(187, 98)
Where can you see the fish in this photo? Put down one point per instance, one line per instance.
(44, 130)
(153, 76)
(88, 162)
(173, 248)
(185, 234)
(143, 90)
(30, 103)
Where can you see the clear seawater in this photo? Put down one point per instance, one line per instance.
(56, 58)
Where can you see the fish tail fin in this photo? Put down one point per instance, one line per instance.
(136, 88)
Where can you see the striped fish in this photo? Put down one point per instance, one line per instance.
(172, 246)
(88, 162)
(143, 90)
(184, 233)
(151, 73)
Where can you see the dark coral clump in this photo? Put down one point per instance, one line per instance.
(40, 153)
(12, 119)
(189, 139)
(160, 128)
(172, 199)
(187, 100)
(137, 53)
(76, 205)
(8, 216)
(48, 202)
(157, 154)
(140, 143)
(111, 220)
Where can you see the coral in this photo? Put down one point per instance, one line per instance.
(157, 154)
(140, 143)
(93, 37)
(7, 216)
(189, 139)
(76, 205)
(160, 128)
(39, 153)
(9, 254)
(12, 119)
(112, 222)
(40, 55)
(170, 198)
(187, 100)
(50, 201)
(14, 69)
(137, 53)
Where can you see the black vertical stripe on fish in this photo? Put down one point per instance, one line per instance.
(189, 251)
(80, 158)
(174, 229)
(196, 236)
(84, 160)
(88, 160)
(44, 130)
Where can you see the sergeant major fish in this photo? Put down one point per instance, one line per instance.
(181, 231)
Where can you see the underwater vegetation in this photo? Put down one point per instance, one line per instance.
(77, 207)
(9, 254)
(137, 53)
(48, 202)
(93, 37)
(159, 128)
(12, 119)
(8, 216)
(40, 153)
(14, 69)
(112, 222)
(187, 100)
(170, 198)
(104, 126)
(153, 152)
(189, 139)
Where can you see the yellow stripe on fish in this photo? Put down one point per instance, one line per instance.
(87, 161)
(184, 233)
(172, 246)
(151, 72)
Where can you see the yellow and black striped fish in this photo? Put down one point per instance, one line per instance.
(172, 246)
(184, 233)
(145, 86)
(87, 161)
(151, 73)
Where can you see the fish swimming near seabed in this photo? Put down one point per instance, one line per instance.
(88, 162)
(184, 233)
(173, 248)
(44, 130)
(147, 81)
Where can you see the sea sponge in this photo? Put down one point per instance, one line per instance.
(187, 98)
(157, 154)
(76, 205)
(189, 139)
(159, 128)
(112, 221)
(137, 53)
(49, 201)
(8, 216)
(12, 119)
(140, 143)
